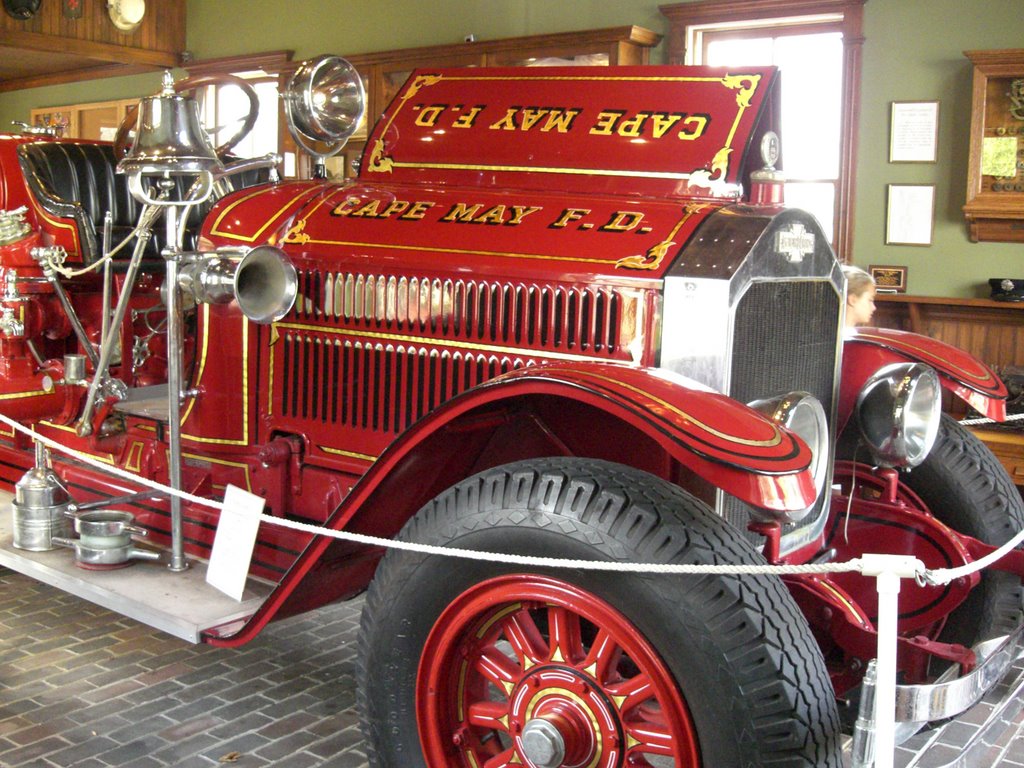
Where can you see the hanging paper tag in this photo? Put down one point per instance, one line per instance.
(234, 541)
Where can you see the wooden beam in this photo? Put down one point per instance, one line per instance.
(87, 73)
(107, 52)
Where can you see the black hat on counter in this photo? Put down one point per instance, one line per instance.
(1005, 289)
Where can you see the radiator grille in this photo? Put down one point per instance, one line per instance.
(795, 351)
(387, 386)
(379, 387)
(591, 320)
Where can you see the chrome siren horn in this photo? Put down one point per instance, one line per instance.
(262, 281)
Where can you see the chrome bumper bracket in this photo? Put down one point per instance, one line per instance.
(918, 705)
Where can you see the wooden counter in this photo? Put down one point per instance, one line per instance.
(992, 331)
(1008, 447)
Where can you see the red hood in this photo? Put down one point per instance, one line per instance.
(681, 131)
(512, 232)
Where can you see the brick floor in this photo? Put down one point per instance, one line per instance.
(81, 687)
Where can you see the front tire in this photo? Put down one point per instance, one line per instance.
(966, 487)
(464, 662)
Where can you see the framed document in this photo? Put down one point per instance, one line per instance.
(914, 132)
(909, 214)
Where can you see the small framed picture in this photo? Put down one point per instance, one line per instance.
(889, 279)
(909, 214)
(914, 133)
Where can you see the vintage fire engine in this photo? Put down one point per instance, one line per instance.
(558, 313)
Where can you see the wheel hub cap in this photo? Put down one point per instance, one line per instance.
(562, 719)
(543, 744)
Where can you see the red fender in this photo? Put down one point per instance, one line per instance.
(732, 446)
(867, 349)
(725, 442)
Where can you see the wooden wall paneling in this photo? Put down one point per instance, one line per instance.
(992, 331)
(88, 47)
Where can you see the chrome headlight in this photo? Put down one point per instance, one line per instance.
(898, 411)
(802, 414)
(324, 101)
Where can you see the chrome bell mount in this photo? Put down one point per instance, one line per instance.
(169, 142)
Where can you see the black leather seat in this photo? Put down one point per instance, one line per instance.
(78, 182)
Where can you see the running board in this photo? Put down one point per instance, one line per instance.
(180, 604)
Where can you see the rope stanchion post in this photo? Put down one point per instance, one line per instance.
(888, 571)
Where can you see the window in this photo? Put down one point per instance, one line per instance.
(816, 45)
(222, 106)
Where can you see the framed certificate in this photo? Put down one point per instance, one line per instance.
(909, 214)
(914, 134)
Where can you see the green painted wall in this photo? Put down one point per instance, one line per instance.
(912, 52)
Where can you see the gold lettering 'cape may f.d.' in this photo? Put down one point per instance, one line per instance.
(685, 133)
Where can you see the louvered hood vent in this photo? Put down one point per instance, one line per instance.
(378, 352)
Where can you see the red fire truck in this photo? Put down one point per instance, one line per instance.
(559, 313)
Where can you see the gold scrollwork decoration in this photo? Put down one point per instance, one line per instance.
(657, 253)
(744, 85)
(651, 260)
(296, 234)
(422, 81)
(379, 162)
(720, 164)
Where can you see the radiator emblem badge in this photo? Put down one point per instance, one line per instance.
(794, 243)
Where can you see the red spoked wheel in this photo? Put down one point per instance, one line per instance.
(530, 670)
(471, 663)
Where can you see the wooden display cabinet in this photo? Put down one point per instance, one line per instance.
(1008, 447)
(995, 173)
(386, 71)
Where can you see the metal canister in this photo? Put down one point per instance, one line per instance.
(40, 502)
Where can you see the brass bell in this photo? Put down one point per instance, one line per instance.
(169, 138)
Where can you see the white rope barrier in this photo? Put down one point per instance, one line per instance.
(594, 565)
(924, 575)
(985, 420)
(470, 554)
(888, 571)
